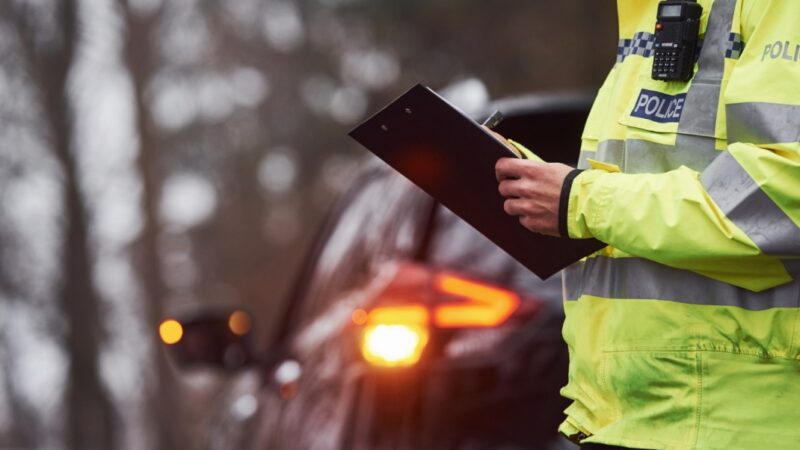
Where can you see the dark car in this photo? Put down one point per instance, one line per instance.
(407, 329)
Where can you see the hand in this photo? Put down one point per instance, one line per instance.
(532, 191)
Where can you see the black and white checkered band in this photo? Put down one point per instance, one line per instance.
(641, 44)
(734, 46)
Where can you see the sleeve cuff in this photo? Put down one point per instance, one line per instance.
(563, 203)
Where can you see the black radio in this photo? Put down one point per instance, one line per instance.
(676, 36)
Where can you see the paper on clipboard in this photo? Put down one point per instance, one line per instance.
(452, 158)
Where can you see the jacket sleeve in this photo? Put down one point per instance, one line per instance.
(739, 220)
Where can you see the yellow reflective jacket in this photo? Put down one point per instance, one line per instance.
(684, 333)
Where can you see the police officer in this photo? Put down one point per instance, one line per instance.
(684, 333)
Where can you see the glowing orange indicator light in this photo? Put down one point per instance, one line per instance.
(239, 323)
(394, 345)
(170, 331)
(395, 336)
(485, 306)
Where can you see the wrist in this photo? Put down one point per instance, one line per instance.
(586, 204)
(564, 200)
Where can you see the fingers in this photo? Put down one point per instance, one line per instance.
(505, 169)
(515, 207)
(532, 191)
(529, 223)
(539, 225)
(515, 168)
(530, 217)
(512, 188)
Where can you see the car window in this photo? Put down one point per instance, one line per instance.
(380, 221)
(458, 246)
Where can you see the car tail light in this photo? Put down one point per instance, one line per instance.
(481, 305)
(394, 336)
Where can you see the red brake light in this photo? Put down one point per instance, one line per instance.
(485, 306)
(396, 332)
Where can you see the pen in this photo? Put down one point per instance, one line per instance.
(493, 120)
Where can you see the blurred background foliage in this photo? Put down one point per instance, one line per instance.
(159, 154)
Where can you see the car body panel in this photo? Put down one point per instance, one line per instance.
(475, 388)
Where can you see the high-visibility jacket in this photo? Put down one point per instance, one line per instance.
(684, 333)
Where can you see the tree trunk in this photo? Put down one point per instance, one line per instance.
(91, 418)
(163, 399)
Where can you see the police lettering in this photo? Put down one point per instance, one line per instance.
(782, 50)
(659, 107)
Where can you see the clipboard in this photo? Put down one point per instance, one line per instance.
(452, 158)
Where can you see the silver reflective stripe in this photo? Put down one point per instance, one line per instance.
(695, 152)
(702, 101)
(711, 64)
(611, 151)
(583, 158)
(700, 110)
(635, 278)
(746, 205)
(763, 123)
(640, 156)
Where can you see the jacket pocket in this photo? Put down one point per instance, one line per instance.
(657, 395)
(674, 107)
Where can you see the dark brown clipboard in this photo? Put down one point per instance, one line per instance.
(452, 158)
